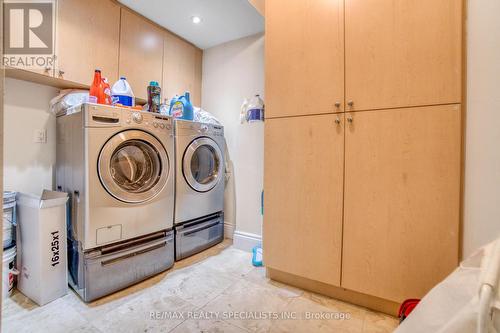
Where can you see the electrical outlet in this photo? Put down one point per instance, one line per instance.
(40, 136)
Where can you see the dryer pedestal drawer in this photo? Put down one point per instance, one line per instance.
(115, 267)
(198, 235)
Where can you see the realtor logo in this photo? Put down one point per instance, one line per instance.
(28, 27)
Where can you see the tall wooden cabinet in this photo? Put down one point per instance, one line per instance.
(87, 38)
(401, 200)
(141, 52)
(369, 204)
(304, 57)
(402, 53)
(182, 63)
(304, 161)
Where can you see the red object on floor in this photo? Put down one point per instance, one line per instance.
(406, 308)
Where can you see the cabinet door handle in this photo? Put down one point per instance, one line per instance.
(337, 120)
(350, 103)
(350, 119)
(337, 105)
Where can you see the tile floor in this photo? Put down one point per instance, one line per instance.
(215, 291)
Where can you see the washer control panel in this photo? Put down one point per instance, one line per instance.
(137, 117)
(152, 121)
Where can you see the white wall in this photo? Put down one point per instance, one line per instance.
(482, 166)
(28, 166)
(231, 72)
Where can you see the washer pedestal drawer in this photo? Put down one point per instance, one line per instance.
(113, 267)
(197, 235)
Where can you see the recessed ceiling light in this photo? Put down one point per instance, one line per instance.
(196, 19)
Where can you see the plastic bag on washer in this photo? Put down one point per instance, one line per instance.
(67, 99)
(203, 116)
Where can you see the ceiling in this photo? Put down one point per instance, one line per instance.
(222, 20)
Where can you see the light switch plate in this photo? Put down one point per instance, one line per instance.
(40, 135)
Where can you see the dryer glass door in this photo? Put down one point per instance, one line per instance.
(203, 164)
(133, 166)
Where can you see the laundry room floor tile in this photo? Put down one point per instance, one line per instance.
(379, 323)
(207, 326)
(152, 312)
(53, 317)
(231, 261)
(217, 290)
(310, 316)
(250, 306)
(17, 305)
(197, 285)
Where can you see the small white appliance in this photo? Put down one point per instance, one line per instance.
(199, 200)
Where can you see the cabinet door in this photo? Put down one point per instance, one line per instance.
(181, 68)
(304, 57)
(303, 180)
(403, 53)
(88, 36)
(141, 52)
(402, 199)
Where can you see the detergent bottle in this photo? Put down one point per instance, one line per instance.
(96, 94)
(122, 93)
(172, 103)
(154, 96)
(164, 107)
(107, 91)
(182, 107)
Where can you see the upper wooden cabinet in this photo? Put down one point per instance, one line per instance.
(141, 52)
(181, 68)
(87, 38)
(303, 180)
(304, 57)
(401, 200)
(402, 53)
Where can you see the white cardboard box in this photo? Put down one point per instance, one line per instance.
(42, 258)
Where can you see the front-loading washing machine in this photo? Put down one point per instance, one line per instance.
(117, 165)
(199, 197)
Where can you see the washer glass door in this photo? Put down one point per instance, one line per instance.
(203, 164)
(133, 166)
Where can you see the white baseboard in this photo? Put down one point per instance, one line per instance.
(228, 230)
(246, 241)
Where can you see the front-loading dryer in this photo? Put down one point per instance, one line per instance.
(117, 164)
(199, 199)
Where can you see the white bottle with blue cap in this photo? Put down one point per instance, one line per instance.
(122, 93)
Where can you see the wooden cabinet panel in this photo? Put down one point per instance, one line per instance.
(87, 38)
(402, 197)
(403, 53)
(181, 68)
(198, 72)
(141, 52)
(304, 57)
(303, 180)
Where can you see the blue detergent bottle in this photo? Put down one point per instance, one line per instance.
(182, 107)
